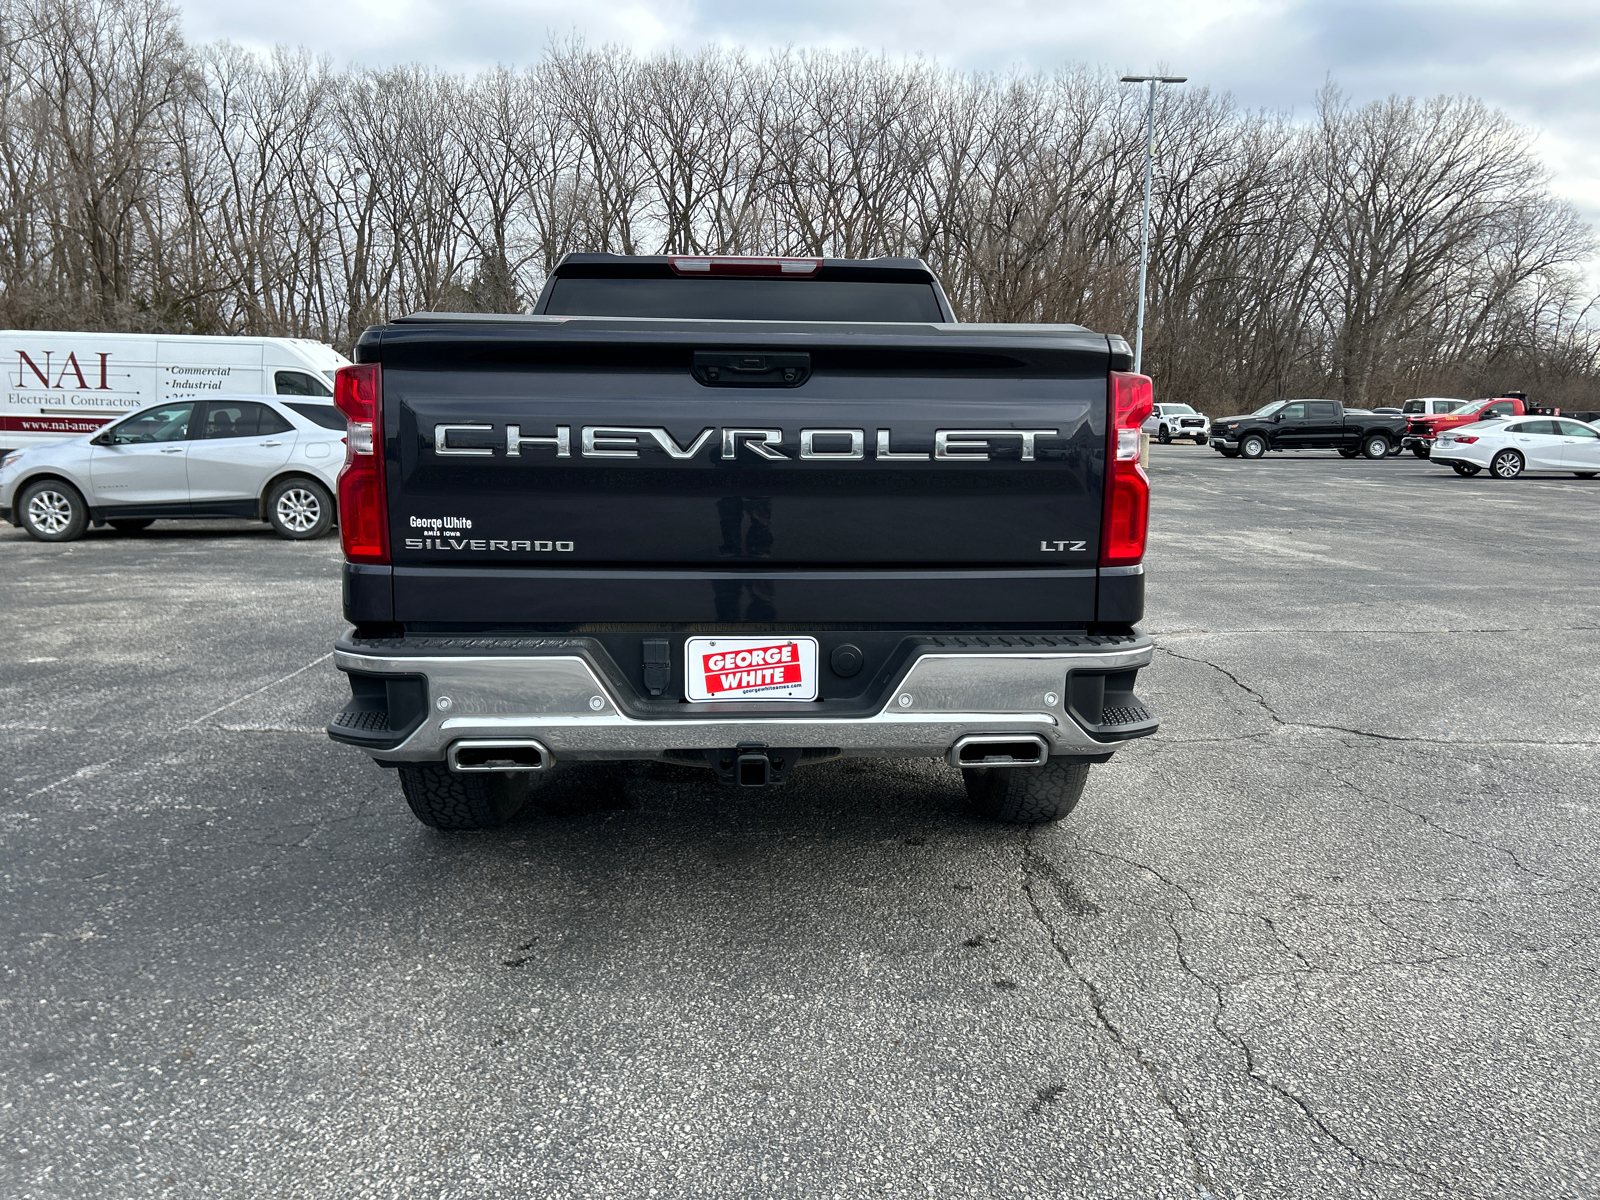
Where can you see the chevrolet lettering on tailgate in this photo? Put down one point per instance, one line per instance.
(815, 445)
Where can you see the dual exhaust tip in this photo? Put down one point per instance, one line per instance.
(973, 752)
(499, 756)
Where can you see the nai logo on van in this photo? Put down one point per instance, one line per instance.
(69, 373)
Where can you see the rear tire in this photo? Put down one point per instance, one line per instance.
(1027, 795)
(442, 799)
(52, 511)
(1252, 446)
(1347, 452)
(299, 509)
(1421, 451)
(1375, 447)
(1507, 464)
(1465, 470)
(1586, 474)
(131, 524)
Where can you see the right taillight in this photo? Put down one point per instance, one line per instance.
(1127, 509)
(363, 504)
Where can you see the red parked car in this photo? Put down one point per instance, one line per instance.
(1422, 430)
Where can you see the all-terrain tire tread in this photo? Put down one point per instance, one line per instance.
(1027, 795)
(442, 799)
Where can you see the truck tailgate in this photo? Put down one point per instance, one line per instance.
(919, 469)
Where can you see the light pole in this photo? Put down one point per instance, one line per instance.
(1144, 223)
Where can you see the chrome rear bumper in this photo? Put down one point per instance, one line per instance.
(561, 701)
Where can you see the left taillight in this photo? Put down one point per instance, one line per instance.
(363, 502)
(1127, 510)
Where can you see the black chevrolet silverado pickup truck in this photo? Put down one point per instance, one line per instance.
(1308, 425)
(745, 515)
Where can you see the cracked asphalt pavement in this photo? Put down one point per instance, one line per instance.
(1332, 933)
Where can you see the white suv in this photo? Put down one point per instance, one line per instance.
(266, 458)
(1168, 421)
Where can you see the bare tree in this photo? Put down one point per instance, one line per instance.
(105, 72)
(1409, 193)
(1394, 248)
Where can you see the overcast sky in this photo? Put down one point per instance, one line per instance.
(1537, 59)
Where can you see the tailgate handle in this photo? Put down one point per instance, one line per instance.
(717, 368)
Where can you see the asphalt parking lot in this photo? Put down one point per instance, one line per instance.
(1332, 933)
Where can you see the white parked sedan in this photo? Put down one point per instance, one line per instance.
(1510, 447)
(264, 457)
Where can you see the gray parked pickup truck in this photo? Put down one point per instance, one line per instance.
(1307, 425)
(745, 515)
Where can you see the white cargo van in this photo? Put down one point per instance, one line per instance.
(60, 385)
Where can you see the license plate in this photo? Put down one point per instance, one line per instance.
(751, 668)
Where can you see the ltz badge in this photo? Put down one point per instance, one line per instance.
(767, 668)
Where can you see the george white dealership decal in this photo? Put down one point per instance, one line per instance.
(438, 525)
(767, 668)
(453, 533)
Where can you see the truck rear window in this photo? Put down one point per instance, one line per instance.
(745, 299)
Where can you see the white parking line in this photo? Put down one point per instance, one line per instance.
(268, 687)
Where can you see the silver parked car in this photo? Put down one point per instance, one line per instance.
(268, 458)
